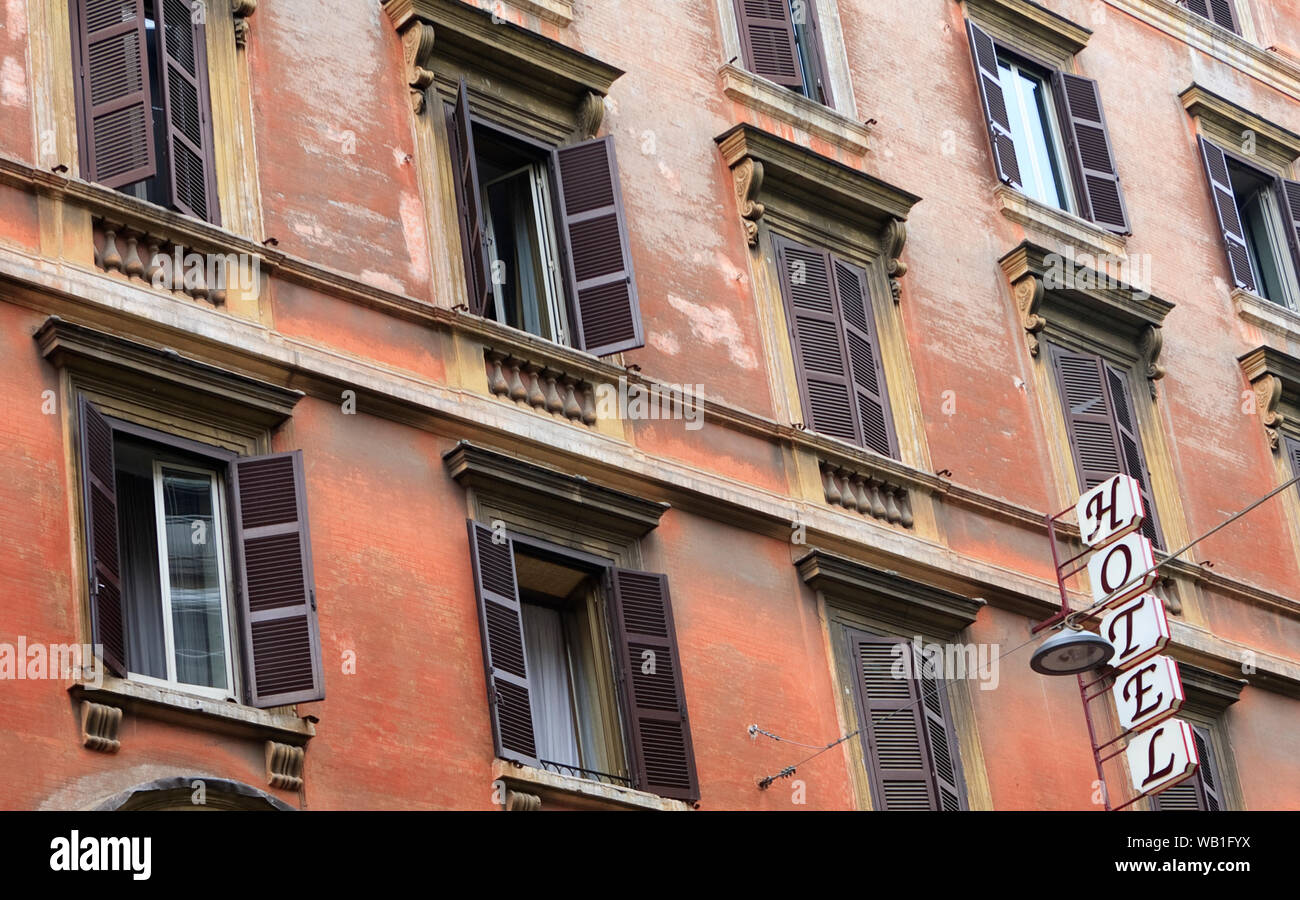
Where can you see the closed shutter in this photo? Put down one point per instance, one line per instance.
(116, 135)
(896, 744)
(865, 366)
(1203, 791)
(502, 631)
(277, 590)
(1293, 451)
(985, 53)
(1135, 464)
(1225, 205)
(99, 486)
(1220, 12)
(1089, 148)
(651, 671)
(767, 41)
(605, 303)
(187, 109)
(477, 269)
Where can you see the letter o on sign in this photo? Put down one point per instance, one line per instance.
(1126, 566)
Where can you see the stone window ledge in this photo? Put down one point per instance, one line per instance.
(795, 110)
(149, 701)
(1063, 226)
(557, 12)
(1265, 314)
(539, 785)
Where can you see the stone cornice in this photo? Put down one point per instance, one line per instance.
(1209, 692)
(1038, 22)
(1275, 377)
(907, 603)
(1279, 145)
(492, 472)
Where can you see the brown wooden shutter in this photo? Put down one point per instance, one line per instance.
(1289, 197)
(1135, 464)
(502, 630)
(99, 486)
(651, 672)
(941, 738)
(1203, 791)
(1225, 204)
(817, 339)
(1089, 418)
(1293, 451)
(819, 78)
(985, 53)
(1089, 149)
(478, 270)
(1220, 12)
(606, 309)
(277, 590)
(187, 110)
(116, 118)
(896, 750)
(865, 366)
(767, 41)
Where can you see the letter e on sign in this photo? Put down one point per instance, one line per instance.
(1109, 511)
(1148, 693)
(1138, 629)
(1122, 571)
(1161, 757)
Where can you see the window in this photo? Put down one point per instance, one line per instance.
(145, 120)
(1258, 214)
(908, 742)
(1220, 12)
(544, 235)
(1204, 790)
(582, 665)
(1101, 421)
(836, 347)
(175, 532)
(780, 41)
(1048, 133)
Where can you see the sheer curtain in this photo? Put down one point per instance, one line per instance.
(195, 584)
(548, 676)
(141, 585)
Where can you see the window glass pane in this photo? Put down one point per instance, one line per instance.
(548, 677)
(194, 578)
(801, 15)
(146, 645)
(1028, 100)
(521, 251)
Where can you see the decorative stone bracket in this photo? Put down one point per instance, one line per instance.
(284, 765)
(167, 265)
(242, 9)
(518, 801)
(99, 727)
(1275, 378)
(541, 387)
(869, 495)
(417, 53)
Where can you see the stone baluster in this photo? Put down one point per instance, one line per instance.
(497, 383)
(554, 403)
(831, 489)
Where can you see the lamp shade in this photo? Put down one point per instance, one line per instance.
(1070, 652)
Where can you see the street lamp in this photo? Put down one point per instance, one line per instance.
(1071, 651)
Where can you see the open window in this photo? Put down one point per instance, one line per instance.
(781, 41)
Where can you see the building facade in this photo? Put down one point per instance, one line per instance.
(440, 404)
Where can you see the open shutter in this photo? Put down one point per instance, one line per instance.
(941, 740)
(1289, 195)
(1293, 452)
(277, 591)
(99, 485)
(187, 110)
(1089, 419)
(865, 367)
(895, 746)
(651, 673)
(1088, 146)
(1225, 204)
(985, 53)
(1135, 464)
(502, 630)
(477, 268)
(817, 338)
(605, 304)
(767, 41)
(116, 134)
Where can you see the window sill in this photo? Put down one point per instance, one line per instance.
(795, 110)
(149, 701)
(1063, 226)
(557, 12)
(570, 792)
(1266, 314)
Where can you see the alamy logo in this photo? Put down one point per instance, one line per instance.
(38, 662)
(1085, 272)
(103, 854)
(638, 402)
(947, 662)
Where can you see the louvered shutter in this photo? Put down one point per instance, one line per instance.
(501, 628)
(651, 671)
(1220, 12)
(895, 747)
(187, 110)
(817, 337)
(1089, 419)
(99, 485)
(1203, 791)
(865, 366)
(477, 267)
(1293, 451)
(1290, 201)
(276, 587)
(1089, 148)
(767, 41)
(1225, 205)
(605, 304)
(1135, 464)
(985, 53)
(116, 135)
(941, 739)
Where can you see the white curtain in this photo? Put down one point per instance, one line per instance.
(548, 676)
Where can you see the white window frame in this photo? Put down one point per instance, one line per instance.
(1275, 235)
(1053, 132)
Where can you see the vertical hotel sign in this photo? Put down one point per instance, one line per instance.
(1148, 691)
